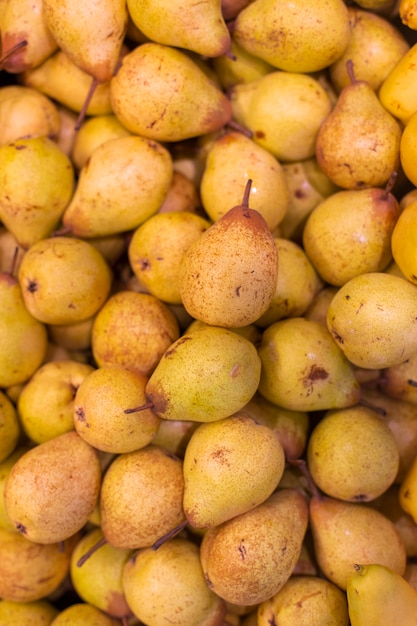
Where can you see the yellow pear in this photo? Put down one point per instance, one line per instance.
(10, 425)
(407, 10)
(5, 467)
(403, 242)
(377, 595)
(238, 66)
(167, 582)
(197, 27)
(159, 92)
(400, 381)
(372, 319)
(228, 276)
(81, 613)
(93, 132)
(36, 613)
(76, 336)
(300, 37)
(398, 92)
(248, 558)
(408, 149)
(123, 183)
(183, 195)
(52, 299)
(32, 205)
(52, 489)
(217, 461)
(408, 491)
(389, 504)
(232, 159)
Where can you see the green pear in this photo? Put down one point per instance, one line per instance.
(31, 571)
(368, 156)
(305, 601)
(199, 27)
(36, 613)
(26, 112)
(375, 47)
(105, 568)
(298, 283)
(284, 111)
(228, 276)
(347, 533)
(372, 319)
(217, 462)
(141, 497)
(149, 328)
(356, 225)
(64, 280)
(10, 425)
(248, 558)
(303, 369)
(80, 613)
(91, 34)
(98, 410)
(157, 247)
(95, 131)
(300, 37)
(23, 338)
(159, 92)
(52, 489)
(204, 376)
(26, 40)
(232, 159)
(352, 454)
(123, 183)
(53, 76)
(31, 205)
(167, 582)
(46, 402)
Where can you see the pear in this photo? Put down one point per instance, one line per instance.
(303, 369)
(403, 242)
(300, 37)
(23, 338)
(157, 247)
(305, 601)
(375, 46)
(283, 110)
(10, 427)
(81, 613)
(183, 195)
(26, 40)
(31, 205)
(53, 76)
(400, 381)
(170, 582)
(26, 112)
(149, 328)
(318, 308)
(232, 159)
(139, 169)
(159, 92)
(352, 454)
(228, 276)
(98, 410)
(347, 533)
(372, 319)
(46, 402)
(200, 28)
(378, 595)
(31, 571)
(54, 300)
(203, 376)
(398, 92)
(141, 497)
(408, 493)
(94, 132)
(217, 462)
(5, 467)
(247, 559)
(36, 613)
(239, 66)
(389, 504)
(76, 336)
(52, 489)
(368, 156)
(105, 568)
(356, 242)
(174, 435)
(408, 148)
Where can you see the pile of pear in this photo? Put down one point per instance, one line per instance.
(208, 313)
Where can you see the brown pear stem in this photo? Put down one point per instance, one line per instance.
(83, 112)
(233, 125)
(142, 407)
(169, 535)
(391, 182)
(368, 405)
(14, 261)
(411, 382)
(15, 48)
(350, 71)
(246, 194)
(302, 466)
(65, 230)
(101, 542)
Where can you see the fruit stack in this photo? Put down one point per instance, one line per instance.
(208, 313)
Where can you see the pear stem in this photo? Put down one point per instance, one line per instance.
(391, 182)
(368, 405)
(14, 261)
(350, 71)
(302, 466)
(101, 542)
(83, 112)
(411, 382)
(143, 407)
(233, 125)
(15, 48)
(246, 194)
(169, 535)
